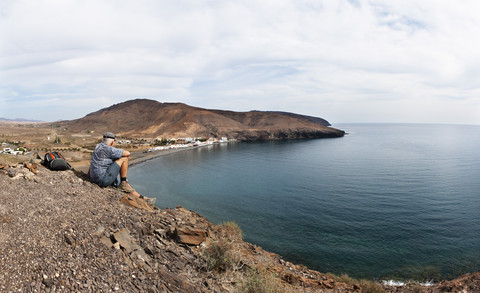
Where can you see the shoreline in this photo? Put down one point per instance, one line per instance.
(140, 157)
(137, 157)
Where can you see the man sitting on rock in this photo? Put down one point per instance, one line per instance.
(107, 163)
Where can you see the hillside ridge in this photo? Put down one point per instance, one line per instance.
(153, 119)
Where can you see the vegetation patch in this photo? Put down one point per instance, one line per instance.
(231, 231)
(220, 254)
(261, 281)
(365, 285)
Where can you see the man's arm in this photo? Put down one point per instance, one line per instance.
(125, 154)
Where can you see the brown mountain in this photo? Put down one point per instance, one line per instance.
(152, 119)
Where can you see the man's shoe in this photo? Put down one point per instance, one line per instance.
(126, 187)
(149, 200)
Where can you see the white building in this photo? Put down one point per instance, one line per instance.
(12, 152)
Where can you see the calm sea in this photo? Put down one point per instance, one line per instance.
(387, 201)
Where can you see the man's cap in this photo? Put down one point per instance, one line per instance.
(109, 135)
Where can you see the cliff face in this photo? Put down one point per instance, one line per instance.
(148, 118)
(279, 134)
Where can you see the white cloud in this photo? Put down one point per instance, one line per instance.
(341, 60)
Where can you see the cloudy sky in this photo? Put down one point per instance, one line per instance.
(346, 61)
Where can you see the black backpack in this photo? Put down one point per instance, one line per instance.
(56, 162)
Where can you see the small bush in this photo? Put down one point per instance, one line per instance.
(344, 278)
(367, 286)
(220, 254)
(230, 230)
(371, 287)
(217, 256)
(260, 282)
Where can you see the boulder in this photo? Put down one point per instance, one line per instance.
(124, 239)
(31, 167)
(106, 241)
(136, 202)
(190, 236)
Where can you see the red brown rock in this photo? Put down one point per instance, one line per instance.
(190, 236)
(136, 202)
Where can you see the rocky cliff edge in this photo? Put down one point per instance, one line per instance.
(61, 233)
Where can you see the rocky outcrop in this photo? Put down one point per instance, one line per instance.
(465, 283)
(282, 134)
(189, 235)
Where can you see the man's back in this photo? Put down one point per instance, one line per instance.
(103, 156)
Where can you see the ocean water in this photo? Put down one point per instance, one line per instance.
(387, 201)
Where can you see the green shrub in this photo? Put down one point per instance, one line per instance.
(217, 256)
(220, 254)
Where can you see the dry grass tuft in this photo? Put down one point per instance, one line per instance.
(261, 281)
(230, 231)
(220, 255)
(365, 285)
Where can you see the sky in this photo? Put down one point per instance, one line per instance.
(348, 61)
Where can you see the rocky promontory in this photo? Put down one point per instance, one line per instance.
(143, 118)
(61, 233)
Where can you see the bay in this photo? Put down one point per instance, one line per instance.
(387, 201)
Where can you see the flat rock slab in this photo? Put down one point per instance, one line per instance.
(190, 236)
(136, 202)
(123, 237)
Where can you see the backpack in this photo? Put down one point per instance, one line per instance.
(56, 162)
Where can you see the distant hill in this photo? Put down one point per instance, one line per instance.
(152, 119)
(17, 120)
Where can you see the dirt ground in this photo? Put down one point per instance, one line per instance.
(77, 148)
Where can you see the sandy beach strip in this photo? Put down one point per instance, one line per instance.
(138, 157)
